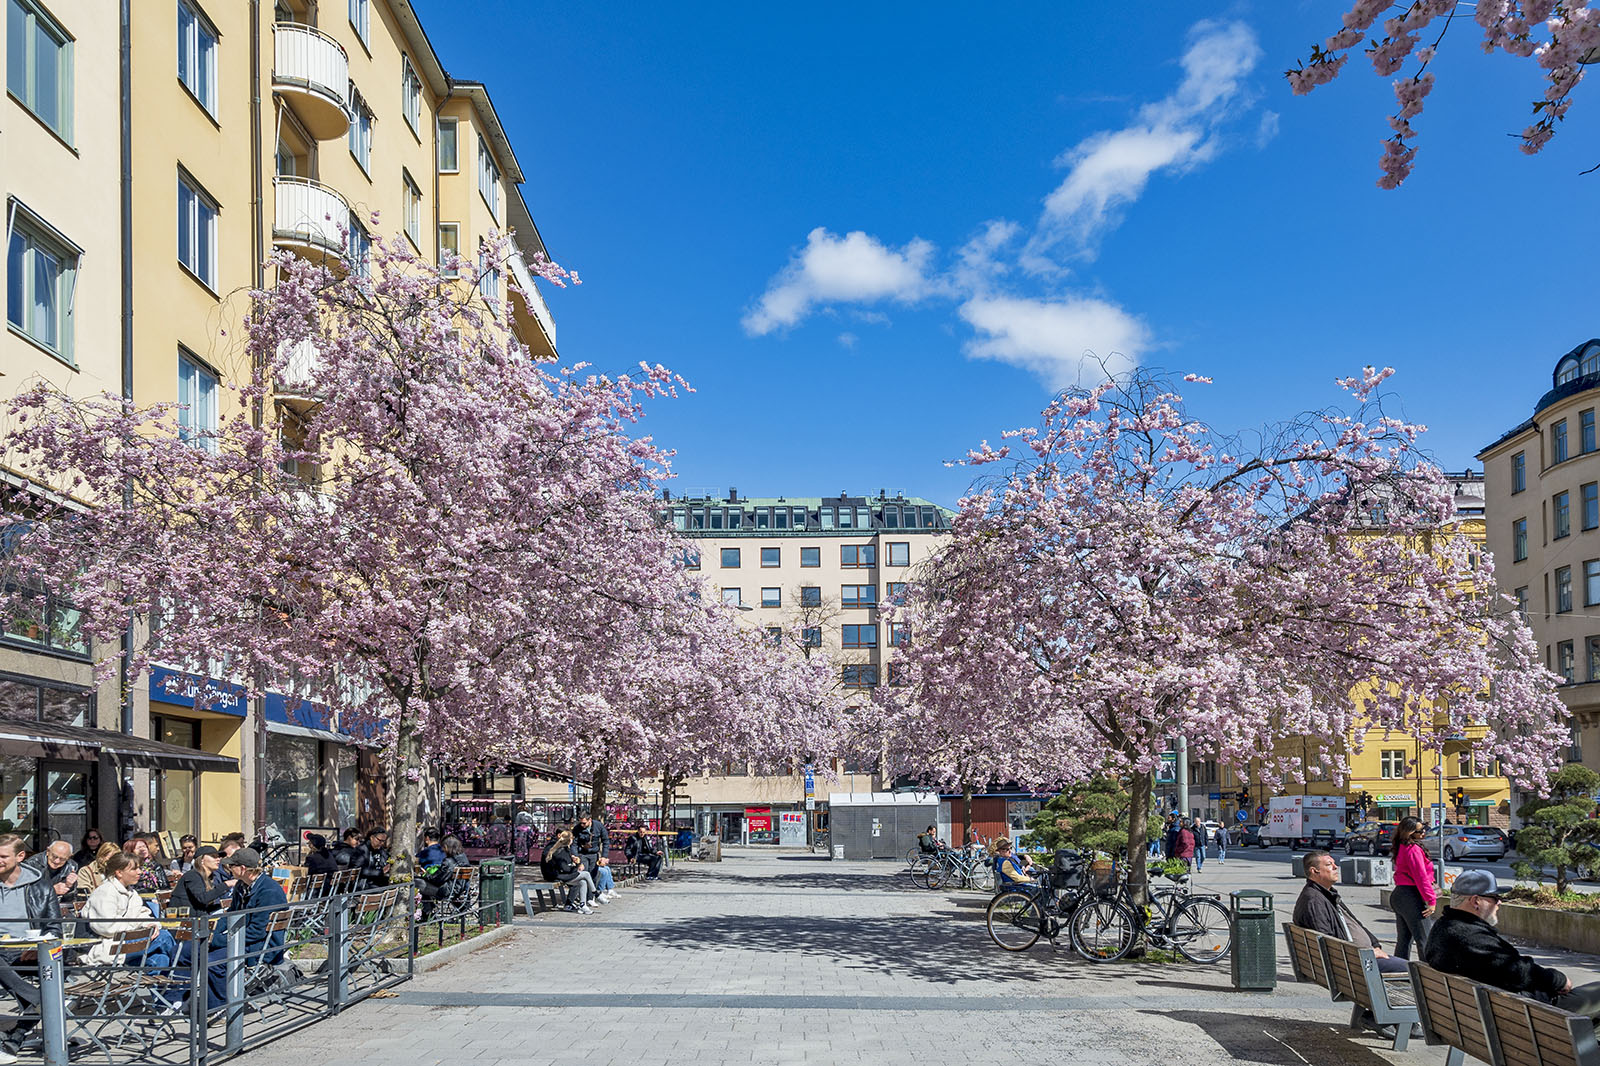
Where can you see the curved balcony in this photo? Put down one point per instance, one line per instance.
(297, 371)
(312, 71)
(531, 314)
(308, 216)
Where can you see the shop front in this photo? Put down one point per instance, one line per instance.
(203, 716)
(313, 772)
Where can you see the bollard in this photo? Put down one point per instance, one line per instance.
(1253, 960)
(52, 1005)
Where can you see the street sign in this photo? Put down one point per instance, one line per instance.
(811, 781)
(811, 803)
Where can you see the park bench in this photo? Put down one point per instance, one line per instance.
(1350, 974)
(1496, 1026)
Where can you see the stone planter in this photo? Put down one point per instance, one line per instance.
(1567, 930)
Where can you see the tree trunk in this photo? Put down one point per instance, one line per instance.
(966, 815)
(597, 792)
(406, 792)
(1138, 846)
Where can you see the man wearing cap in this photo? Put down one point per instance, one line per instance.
(1464, 941)
(261, 897)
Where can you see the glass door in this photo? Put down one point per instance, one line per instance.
(67, 803)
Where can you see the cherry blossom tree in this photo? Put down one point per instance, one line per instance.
(1559, 36)
(1133, 577)
(440, 549)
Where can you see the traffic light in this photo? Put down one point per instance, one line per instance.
(1461, 797)
(1366, 800)
(1244, 798)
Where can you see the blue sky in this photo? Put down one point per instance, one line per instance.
(873, 235)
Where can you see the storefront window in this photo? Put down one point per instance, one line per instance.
(16, 793)
(344, 763)
(174, 799)
(292, 777)
(19, 702)
(65, 708)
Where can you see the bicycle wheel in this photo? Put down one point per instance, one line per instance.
(1103, 930)
(1014, 920)
(935, 875)
(912, 856)
(1200, 930)
(918, 867)
(982, 877)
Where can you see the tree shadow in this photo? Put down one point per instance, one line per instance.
(938, 948)
(1280, 1041)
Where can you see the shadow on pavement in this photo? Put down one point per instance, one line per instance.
(930, 948)
(838, 880)
(1279, 1041)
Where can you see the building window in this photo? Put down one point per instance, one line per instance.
(733, 597)
(899, 634)
(1519, 472)
(771, 597)
(859, 675)
(40, 617)
(361, 19)
(1561, 513)
(826, 514)
(899, 553)
(859, 636)
(197, 56)
(1591, 505)
(730, 558)
(413, 210)
(775, 634)
(359, 247)
(771, 556)
(197, 231)
(360, 130)
(799, 518)
(810, 556)
(41, 280)
(1563, 589)
(858, 556)
(811, 637)
(410, 94)
(899, 675)
(1519, 540)
(1522, 602)
(735, 517)
(1558, 442)
(489, 287)
(1586, 430)
(449, 146)
(197, 399)
(691, 559)
(1591, 583)
(449, 249)
(1593, 647)
(1564, 663)
(858, 595)
(895, 592)
(488, 178)
(39, 65)
(810, 596)
(1392, 764)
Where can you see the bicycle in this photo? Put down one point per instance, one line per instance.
(1196, 926)
(958, 869)
(1018, 917)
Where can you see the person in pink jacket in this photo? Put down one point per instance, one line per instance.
(1414, 894)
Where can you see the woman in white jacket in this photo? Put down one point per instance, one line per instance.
(116, 899)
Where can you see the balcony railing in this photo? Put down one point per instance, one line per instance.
(532, 297)
(296, 375)
(309, 214)
(312, 70)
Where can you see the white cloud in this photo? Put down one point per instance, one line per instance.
(1064, 341)
(1268, 128)
(1110, 169)
(848, 339)
(855, 268)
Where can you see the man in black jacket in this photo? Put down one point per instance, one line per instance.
(1464, 941)
(591, 840)
(1320, 908)
(374, 856)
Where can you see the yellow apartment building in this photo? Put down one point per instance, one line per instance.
(811, 572)
(150, 168)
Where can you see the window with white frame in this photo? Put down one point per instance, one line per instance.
(1392, 764)
(360, 129)
(197, 55)
(413, 209)
(39, 65)
(489, 282)
(197, 230)
(899, 553)
(197, 402)
(449, 248)
(488, 178)
(361, 19)
(359, 248)
(41, 278)
(410, 94)
(449, 146)
(733, 597)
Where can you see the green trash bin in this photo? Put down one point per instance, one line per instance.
(1254, 957)
(495, 881)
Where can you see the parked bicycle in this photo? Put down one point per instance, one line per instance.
(957, 869)
(1018, 917)
(1105, 928)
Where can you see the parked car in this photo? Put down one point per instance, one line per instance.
(1467, 842)
(1247, 836)
(1371, 838)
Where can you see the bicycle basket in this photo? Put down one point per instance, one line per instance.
(1102, 875)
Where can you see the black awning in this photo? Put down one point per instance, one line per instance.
(50, 740)
(543, 771)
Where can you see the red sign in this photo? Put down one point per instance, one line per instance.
(758, 819)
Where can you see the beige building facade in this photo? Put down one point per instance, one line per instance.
(1542, 486)
(151, 167)
(813, 573)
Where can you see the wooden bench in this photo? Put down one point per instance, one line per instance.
(1350, 974)
(1499, 1027)
(1452, 1011)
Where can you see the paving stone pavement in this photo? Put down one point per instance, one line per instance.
(771, 958)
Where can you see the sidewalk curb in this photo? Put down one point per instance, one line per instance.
(435, 959)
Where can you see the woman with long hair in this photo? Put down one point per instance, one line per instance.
(1414, 894)
(90, 876)
(572, 873)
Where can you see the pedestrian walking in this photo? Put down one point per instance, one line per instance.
(1200, 833)
(1414, 895)
(1222, 843)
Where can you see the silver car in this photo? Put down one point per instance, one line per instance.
(1467, 842)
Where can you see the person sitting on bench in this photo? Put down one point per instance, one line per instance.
(1464, 942)
(641, 848)
(1320, 909)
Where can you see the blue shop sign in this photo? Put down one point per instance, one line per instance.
(202, 693)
